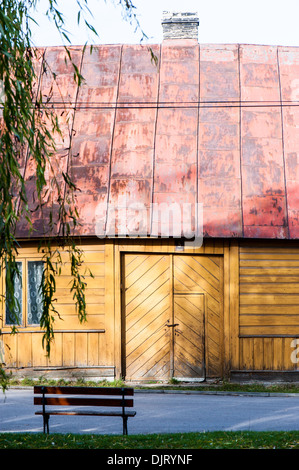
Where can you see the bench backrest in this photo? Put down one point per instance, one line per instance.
(101, 396)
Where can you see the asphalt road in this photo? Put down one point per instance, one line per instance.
(161, 413)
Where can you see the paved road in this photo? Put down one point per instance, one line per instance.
(162, 413)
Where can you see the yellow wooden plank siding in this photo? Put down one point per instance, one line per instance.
(259, 353)
(269, 291)
(269, 306)
(75, 344)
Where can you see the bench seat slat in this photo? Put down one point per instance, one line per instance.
(39, 389)
(91, 413)
(70, 401)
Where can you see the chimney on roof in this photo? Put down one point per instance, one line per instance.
(180, 25)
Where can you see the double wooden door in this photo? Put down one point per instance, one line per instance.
(166, 299)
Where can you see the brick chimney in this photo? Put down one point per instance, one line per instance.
(180, 25)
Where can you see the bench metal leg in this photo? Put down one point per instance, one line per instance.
(46, 423)
(125, 425)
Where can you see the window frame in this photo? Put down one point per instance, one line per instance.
(24, 324)
(27, 291)
(21, 324)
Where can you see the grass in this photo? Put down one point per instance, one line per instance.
(204, 440)
(29, 382)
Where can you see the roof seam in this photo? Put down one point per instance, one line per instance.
(112, 138)
(283, 146)
(68, 165)
(155, 135)
(27, 151)
(240, 141)
(197, 144)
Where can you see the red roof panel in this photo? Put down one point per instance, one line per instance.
(210, 124)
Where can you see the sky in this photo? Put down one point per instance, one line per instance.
(270, 22)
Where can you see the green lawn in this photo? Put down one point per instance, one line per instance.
(172, 385)
(206, 440)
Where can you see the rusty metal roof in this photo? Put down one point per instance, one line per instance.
(210, 124)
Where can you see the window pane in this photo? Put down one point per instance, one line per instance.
(14, 316)
(35, 298)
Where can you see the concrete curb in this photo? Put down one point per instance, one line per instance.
(191, 392)
(222, 393)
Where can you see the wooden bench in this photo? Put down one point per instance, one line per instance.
(100, 397)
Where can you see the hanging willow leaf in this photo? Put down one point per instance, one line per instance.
(27, 126)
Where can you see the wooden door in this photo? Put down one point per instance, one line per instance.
(189, 337)
(202, 274)
(163, 321)
(148, 308)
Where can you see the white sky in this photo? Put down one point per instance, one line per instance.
(271, 22)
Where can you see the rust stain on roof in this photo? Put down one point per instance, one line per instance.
(210, 124)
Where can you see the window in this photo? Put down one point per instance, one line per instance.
(15, 317)
(27, 284)
(34, 293)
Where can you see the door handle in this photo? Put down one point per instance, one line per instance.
(174, 324)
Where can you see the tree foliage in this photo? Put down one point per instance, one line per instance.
(27, 127)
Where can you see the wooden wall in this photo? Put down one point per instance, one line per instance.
(258, 324)
(269, 305)
(76, 345)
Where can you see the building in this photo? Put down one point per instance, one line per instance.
(209, 131)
